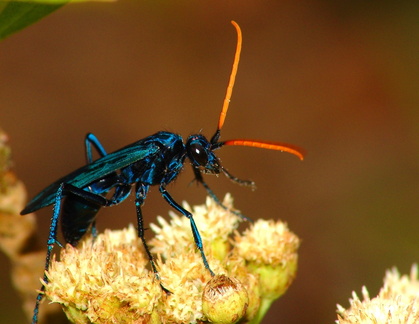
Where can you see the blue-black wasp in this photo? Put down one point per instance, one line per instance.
(154, 160)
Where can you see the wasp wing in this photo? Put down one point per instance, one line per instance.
(94, 171)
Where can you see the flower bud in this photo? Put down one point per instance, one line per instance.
(224, 300)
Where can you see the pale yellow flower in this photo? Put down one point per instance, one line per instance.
(396, 303)
(215, 225)
(107, 279)
(270, 252)
(185, 276)
(267, 242)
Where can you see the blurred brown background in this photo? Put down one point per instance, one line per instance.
(339, 78)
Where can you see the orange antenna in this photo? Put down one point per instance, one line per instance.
(243, 142)
(230, 86)
(268, 145)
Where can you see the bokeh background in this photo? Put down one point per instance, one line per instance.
(339, 78)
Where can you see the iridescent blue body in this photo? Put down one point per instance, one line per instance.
(154, 160)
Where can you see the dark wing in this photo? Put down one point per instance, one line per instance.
(94, 171)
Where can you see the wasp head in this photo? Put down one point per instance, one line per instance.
(199, 151)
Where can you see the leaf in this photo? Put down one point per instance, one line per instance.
(16, 15)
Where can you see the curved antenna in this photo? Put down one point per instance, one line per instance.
(230, 86)
(283, 147)
(242, 142)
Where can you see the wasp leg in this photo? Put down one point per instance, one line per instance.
(93, 202)
(90, 140)
(195, 232)
(200, 179)
(140, 195)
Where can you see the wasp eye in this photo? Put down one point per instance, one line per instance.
(199, 154)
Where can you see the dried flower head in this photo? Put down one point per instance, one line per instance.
(107, 279)
(397, 302)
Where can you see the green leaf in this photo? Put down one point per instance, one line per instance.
(16, 15)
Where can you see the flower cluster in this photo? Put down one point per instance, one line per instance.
(106, 280)
(397, 302)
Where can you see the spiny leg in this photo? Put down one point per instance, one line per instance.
(50, 245)
(140, 195)
(195, 232)
(241, 182)
(121, 193)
